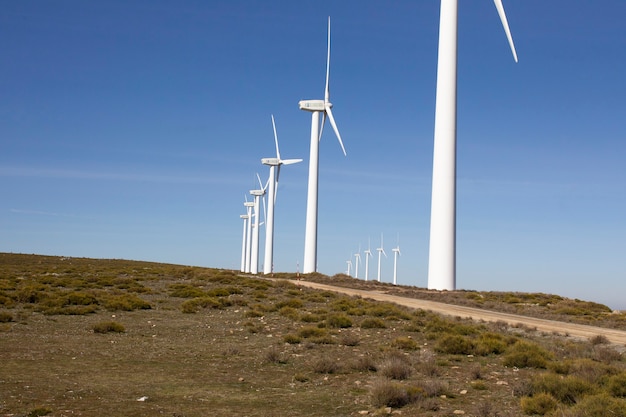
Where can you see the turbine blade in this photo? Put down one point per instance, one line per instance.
(290, 161)
(275, 138)
(276, 183)
(505, 24)
(322, 126)
(327, 90)
(334, 125)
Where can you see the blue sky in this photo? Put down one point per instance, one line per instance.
(133, 129)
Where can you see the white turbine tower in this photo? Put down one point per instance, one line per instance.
(442, 252)
(368, 255)
(248, 205)
(380, 250)
(349, 262)
(254, 256)
(274, 164)
(357, 261)
(316, 107)
(245, 218)
(396, 253)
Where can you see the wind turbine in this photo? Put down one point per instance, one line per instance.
(368, 255)
(316, 107)
(248, 205)
(349, 262)
(357, 261)
(442, 252)
(274, 164)
(380, 251)
(396, 253)
(254, 257)
(245, 218)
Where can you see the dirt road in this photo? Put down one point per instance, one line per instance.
(571, 329)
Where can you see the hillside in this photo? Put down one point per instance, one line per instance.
(123, 338)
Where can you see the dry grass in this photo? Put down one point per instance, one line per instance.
(216, 343)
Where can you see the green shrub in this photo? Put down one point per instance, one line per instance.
(526, 355)
(372, 323)
(108, 327)
(601, 405)
(289, 312)
(490, 343)
(340, 321)
(404, 343)
(455, 344)
(81, 299)
(349, 339)
(540, 404)
(39, 411)
(125, 302)
(567, 390)
(310, 331)
(192, 306)
(292, 302)
(292, 339)
(617, 385)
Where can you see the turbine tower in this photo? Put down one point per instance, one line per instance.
(396, 253)
(254, 257)
(248, 205)
(349, 262)
(368, 255)
(380, 251)
(357, 261)
(442, 252)
(316, 107)
(245, 218)
(274, 164)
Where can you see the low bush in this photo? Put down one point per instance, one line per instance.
(526, 355)
(310, 331)
(392, 394)
(372, 323)
(540, 404)
(455, 345)
(326, 365)
(108, 327)
(616, 385)
(404, 343)
(396, 367)
(292, 339)
(339, 321)
(601, 405)
(568, 390)
(6, 317)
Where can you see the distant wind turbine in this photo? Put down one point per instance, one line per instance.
(248, 205)
(380, 250)
(349, 262)
(316, 107)
(254, 258)
(442, 252)
(357, 261)
(274, 164)
(368, 255)
(396, 253)
(245, 218)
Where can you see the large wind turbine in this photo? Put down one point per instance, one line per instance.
(316, 107)
(380, 250)
(254, 257)
(274, 164)
(442, 252)
(368, 255)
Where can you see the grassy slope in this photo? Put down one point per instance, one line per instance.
(200, 341)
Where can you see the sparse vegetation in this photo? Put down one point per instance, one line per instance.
(192, 338)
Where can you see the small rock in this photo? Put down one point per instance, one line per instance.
(458, 412)
(502, 383)
(388, 410)
(144, 398)
(241, 379)
(364, 412)
(463, 392)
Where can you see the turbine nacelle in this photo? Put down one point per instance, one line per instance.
(257, 193)
(314, 105)
(249, 203)
(271, 161)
